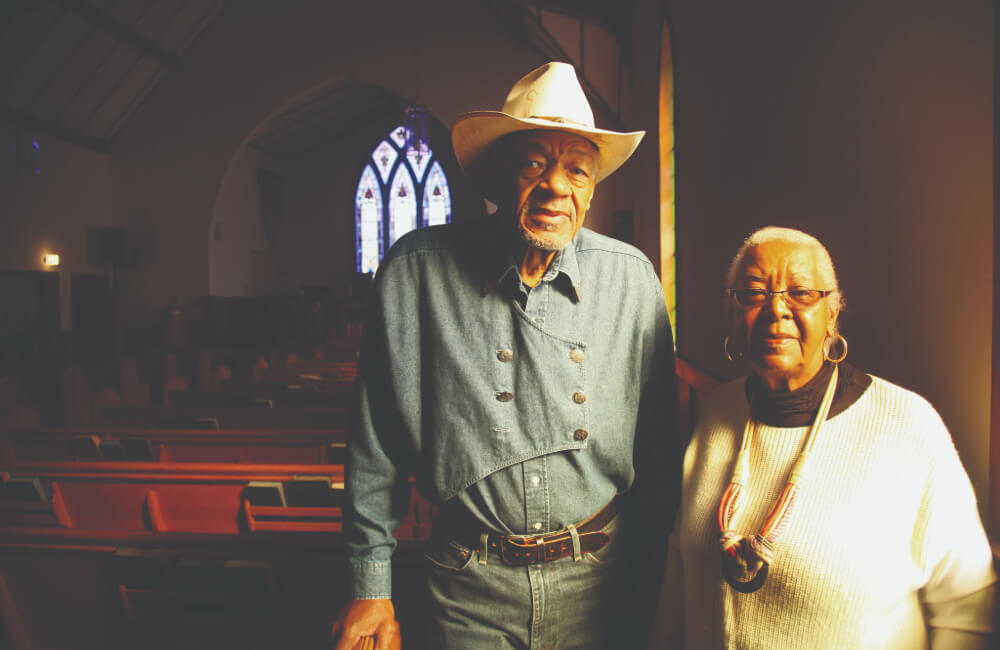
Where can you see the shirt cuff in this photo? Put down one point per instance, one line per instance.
(371, 579)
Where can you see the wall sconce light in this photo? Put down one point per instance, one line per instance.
(50, 259)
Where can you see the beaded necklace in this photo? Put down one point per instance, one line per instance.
(745, 560)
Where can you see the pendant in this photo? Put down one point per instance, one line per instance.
(739, 575)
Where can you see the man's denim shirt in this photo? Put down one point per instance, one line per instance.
(485, 390)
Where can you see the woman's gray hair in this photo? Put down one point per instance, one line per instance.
(824, 263)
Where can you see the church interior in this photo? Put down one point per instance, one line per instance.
(194, 195)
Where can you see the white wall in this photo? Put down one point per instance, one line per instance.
(236, 228)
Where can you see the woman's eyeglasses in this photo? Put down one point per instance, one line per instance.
(794, 297)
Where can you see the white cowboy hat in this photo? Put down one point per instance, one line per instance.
(549, 97)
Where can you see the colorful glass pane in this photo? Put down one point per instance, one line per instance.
(437, 198)
(378, 224)
(419, 159)
(384, 156)
(402, 205)
(368, 221)
(398, 136)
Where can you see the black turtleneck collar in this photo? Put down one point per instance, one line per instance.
(797, 408)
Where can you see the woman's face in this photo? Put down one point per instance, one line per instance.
(784, 340)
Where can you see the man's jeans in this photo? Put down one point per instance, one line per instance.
(566, 603)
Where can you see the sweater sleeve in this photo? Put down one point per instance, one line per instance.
(952, 543)
(959, 623)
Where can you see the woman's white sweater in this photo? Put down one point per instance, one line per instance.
(886, 524)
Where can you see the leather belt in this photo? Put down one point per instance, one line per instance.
(519, 550)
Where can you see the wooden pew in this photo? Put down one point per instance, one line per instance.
(217, 498)
(260, 446)
(169, 592)
(168, 555)
(221, 417)
(251, 396)
(208, 498)
(344, 372)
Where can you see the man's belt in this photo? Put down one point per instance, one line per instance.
(518, 550)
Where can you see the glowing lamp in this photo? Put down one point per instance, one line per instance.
(50, 259)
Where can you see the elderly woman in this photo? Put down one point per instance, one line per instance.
(822, 507)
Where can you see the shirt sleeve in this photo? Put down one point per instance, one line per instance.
(668, 624)
(655, 493)
(378, 455)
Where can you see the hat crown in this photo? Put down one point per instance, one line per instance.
(551, 92)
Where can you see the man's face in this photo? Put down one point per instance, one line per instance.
(555, 174)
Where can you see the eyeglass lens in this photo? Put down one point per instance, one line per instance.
(796, 297)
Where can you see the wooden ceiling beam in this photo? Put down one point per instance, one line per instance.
(52, 129)
(123, 32)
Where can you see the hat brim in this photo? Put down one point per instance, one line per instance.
(474, 133)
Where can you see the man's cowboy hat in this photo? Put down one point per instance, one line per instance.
(550, 98)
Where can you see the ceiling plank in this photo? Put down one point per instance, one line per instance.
(58, 131)
(103, 21)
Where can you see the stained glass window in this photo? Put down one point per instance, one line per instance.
(402, 207)
(368, 209)
(398, 136)
(398, 191)
(418, 159)
(437, 201)
(384, 157)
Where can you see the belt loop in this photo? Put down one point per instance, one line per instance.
(577, 554)
(484, 547)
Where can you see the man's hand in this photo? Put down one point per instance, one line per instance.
(361, 618)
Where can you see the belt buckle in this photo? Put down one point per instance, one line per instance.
(517, 553)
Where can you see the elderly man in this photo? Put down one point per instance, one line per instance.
(521, 367)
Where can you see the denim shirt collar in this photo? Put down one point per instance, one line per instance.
(502, 270)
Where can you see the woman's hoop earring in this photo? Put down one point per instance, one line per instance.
(826, 350)
(729, 355)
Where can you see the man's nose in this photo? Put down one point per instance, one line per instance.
(555, 181)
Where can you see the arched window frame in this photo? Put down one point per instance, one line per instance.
(388, 159)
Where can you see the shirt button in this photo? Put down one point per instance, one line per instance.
(505, 355)
(579, 397)
(537, 525)
(535, 481)
(505, 396)
(580, 434)
(576, 355)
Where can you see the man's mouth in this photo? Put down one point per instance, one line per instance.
(546, 215)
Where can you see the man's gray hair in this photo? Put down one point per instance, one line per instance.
(824, 263)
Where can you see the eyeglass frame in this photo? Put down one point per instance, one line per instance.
(770, 294)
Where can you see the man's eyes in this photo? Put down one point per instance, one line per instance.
(538, 165)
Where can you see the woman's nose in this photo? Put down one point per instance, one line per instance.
(778, 305)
